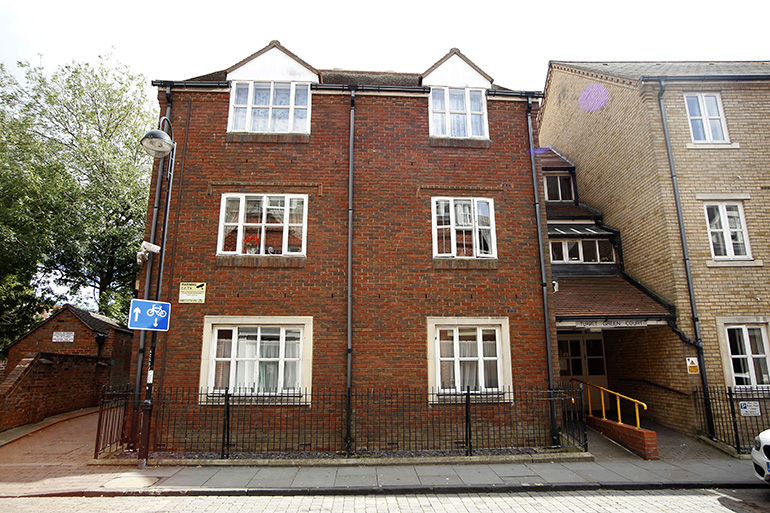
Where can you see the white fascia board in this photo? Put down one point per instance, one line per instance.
(455, 72)
(273, 65)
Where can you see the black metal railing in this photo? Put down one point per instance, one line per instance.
(114, 411)
(739, 413)
(340, 422)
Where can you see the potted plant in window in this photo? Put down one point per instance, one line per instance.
(251, 244)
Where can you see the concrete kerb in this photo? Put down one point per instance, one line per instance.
(397, 490)
(561, 457)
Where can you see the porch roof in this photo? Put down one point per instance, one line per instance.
(610, 297)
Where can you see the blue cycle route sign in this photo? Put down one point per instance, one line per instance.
(149, 315)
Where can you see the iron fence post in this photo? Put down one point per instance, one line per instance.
(734, 419)
(226, 426)
(468, 433)
(348, 423)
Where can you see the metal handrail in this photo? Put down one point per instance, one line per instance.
(618, 397)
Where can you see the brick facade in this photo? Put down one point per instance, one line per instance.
(620, 153)
(397, 284)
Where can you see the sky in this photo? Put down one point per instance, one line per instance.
(511, 41)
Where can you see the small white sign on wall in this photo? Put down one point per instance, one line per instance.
(749, 409)
(63, 336)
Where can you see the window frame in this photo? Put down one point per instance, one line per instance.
(503, 347)
(749, 355)
(565, 251)
(706, 118)
(447, 112)
(560, 199)
(214, 324)
(241, 226)
(271, 107)
(453, 227)
(726, 231)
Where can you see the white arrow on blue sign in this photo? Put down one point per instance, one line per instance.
(149, 315)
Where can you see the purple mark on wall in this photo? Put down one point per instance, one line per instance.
(593, 97)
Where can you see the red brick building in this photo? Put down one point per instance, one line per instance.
(445, 289)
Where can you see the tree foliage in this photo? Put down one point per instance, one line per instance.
(74, 184)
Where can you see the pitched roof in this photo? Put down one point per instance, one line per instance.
(550, 159)
(387, 78)
(570, 212)
(455, 51)
(95, 321)
(635, 70)
(277, 45)
(603, 296)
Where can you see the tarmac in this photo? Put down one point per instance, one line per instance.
(54, 458)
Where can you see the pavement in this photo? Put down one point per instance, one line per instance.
(55, 458)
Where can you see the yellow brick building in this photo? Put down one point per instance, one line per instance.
(677, 155)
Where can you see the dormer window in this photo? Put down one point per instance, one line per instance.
(458, 113)
(270, 107)
(558, 188)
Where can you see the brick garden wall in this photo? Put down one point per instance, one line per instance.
(46, 384)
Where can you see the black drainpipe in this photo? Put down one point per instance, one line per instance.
(543, 280)
(698, 343)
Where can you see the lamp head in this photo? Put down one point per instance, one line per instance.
(157, 143)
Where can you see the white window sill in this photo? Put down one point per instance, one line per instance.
(281, 261)
(457, 142)
(713, 146)
(267, 137)
(464, 263)
(734, 263)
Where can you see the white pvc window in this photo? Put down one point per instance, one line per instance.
(727, 231)
(468, 358)
(464, 228)
(749, 355)
(270, 107)
(584, 251)
(706, 117)
(263, 224)
(558, 188)
(257, 359)
(458, 113)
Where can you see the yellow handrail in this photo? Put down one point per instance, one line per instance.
(618, 397)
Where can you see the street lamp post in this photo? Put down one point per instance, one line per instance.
(159, 144)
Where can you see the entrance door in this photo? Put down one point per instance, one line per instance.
(581, 356)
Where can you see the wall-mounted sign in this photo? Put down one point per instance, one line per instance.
(63, 336)
(192, 292)
(692, 366)
(612, 324)
(149, 315)
(749, 409)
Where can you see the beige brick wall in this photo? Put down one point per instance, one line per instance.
(622, 169)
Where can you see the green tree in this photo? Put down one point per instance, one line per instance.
(76, 205)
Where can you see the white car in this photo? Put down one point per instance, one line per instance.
(760, 455)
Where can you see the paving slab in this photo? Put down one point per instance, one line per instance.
(352, 477)
(555, 473)
(592, 471)
(273, 477)
(231, 477)
(189, 477)
(315, 477)
(397, 475)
